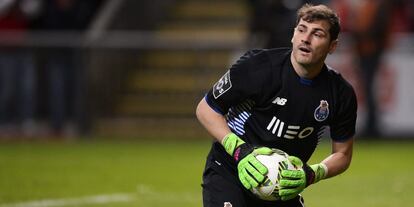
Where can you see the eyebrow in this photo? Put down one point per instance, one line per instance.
(315, 29)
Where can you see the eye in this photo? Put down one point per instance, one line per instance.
(300, 29)
(318, 34)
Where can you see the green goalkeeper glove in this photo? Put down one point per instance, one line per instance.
(251, 171)
(293, 182)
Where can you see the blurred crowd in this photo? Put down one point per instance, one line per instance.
(272, 21)
(370, 24)
(41, 83)
(44, 86)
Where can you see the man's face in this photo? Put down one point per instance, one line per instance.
(311, 42)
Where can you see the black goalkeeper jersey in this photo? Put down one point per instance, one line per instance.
(267, 104)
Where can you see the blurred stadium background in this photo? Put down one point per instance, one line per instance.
(97, 99)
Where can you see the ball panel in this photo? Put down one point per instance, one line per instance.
(275, 163)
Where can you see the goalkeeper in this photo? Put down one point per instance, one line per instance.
(280, 98)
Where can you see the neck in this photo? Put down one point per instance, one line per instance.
(306, 71)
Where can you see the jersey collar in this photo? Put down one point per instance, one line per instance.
(306, 81)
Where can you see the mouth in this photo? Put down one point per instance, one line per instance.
(305, 49)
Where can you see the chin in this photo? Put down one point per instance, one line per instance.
(303, 61)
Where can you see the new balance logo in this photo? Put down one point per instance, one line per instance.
(279, 101)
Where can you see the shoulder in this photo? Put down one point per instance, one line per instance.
(273, 55)
(342, 90)
(279, 53)
(338, 80)
(262, 64)
(261, 61)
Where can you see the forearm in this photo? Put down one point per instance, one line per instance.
(340, 159)
(214, 122)
(251, 171)
(294, 181)
(336, 164)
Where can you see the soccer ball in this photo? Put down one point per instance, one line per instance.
(275, 163)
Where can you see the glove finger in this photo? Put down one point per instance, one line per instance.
(285, 183)
(243, 180)
(253, 183)
(295, 161)
(257, 165)
(293, 174)
(243, 172)
(263, 151)
(289, 191)
(255, 174)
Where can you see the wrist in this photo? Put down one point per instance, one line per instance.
(315, 173)
(320, 170)
(231, 142)
(309, 174)
(233, 145)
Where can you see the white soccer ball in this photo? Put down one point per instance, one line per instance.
(275, 162)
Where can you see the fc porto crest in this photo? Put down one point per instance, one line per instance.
(322, 112)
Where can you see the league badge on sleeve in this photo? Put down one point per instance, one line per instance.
(322, 112)
(222, 86)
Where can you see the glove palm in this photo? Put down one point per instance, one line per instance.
(250, 170)
(293, 182)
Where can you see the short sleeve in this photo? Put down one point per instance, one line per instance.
(244, 80)
(343, 126)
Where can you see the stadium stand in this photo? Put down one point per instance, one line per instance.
(159, 94)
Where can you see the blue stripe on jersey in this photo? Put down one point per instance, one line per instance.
(322, 133)
(238, 115)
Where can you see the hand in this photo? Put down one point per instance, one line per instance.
(293, 182)
(251, 171)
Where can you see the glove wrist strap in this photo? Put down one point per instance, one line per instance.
(231, 142)
(320, 171)
(315, 173)
(310, 175)
(236, 147)
(242, 151)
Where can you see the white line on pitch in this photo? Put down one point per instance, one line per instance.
(97, 199)
(143, 192)
(148, 193)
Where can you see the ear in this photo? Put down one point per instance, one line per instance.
(332, 46)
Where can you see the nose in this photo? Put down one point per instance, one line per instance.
(306, 38)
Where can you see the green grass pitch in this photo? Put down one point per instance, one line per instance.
(168, 173)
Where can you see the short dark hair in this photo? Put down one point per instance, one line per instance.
(310, 13)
